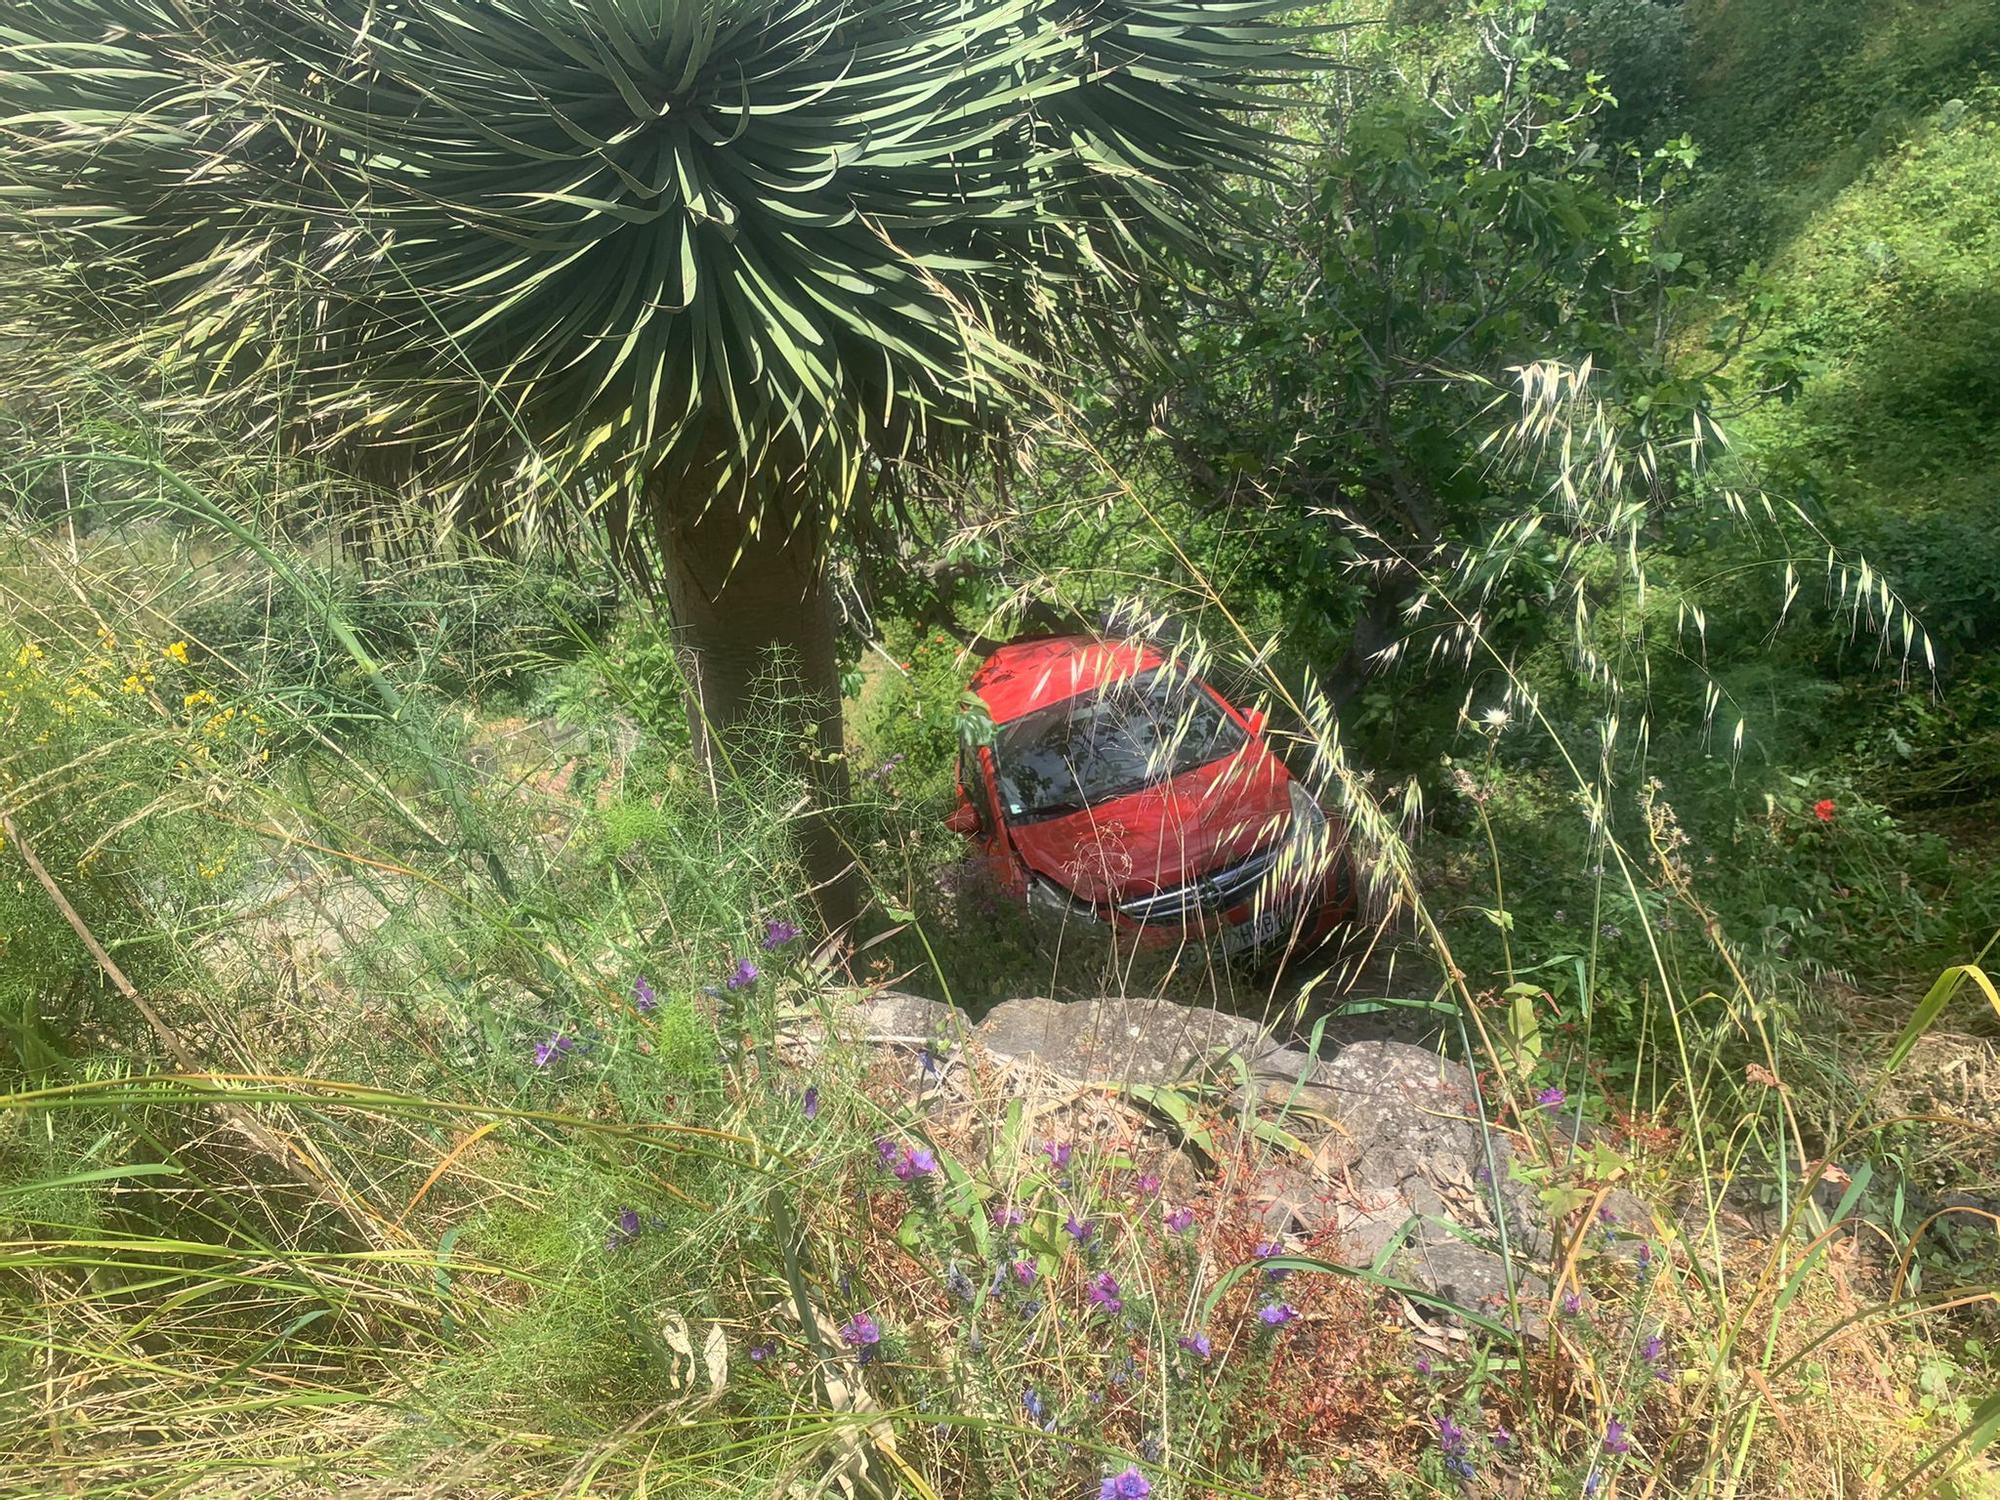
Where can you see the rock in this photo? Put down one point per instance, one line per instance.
(1399, 1163)
(1404, 1108)
(1119, 1040)
(891, 1017)
(1294, 1200)
(1366, 1228)
(1476, 1279)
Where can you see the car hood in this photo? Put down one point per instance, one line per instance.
(1164, 835)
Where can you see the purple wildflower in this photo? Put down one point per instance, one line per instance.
(1616, 1439)
(1278, 1314)
(742, 976)
(1148, 1185)
(1131, 1485)
(1572, 1304)
(761, 1352)
(1058, 1153)
(914, 1163)
(778, 933)
(1551, 1098)
(1181, 1220)
(885, 1150)
(1024, 1272)
(1104, 1293)
(556, 1046)
(628, 1222)
(861, 1331)
(1198, 1344)
(1032, 1403)
(1078, 1229)
(1423, 1366)
(1654, 1351)
(1006, 1217)
(643, 996)
(810, 1104)
(958, 1284)
(1502, 1437)
(1591, 1482)
(1455, 1444)
(929, 1064)
(1645, 1257)
(1264, 1252)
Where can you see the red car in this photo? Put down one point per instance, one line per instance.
(1121, 793)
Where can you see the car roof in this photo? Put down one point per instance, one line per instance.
(1023, 676)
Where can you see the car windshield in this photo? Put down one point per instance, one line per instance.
(1104, 744)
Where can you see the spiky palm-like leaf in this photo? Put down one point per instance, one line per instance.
(727, 247)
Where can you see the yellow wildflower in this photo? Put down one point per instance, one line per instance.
(176, 651)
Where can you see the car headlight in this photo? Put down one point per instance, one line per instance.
(1046, 896)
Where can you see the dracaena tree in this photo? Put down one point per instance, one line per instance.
(707, 273)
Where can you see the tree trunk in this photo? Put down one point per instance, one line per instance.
(753, 618)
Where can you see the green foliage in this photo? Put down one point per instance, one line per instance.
(1792, 104)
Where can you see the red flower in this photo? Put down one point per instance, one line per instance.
(1823, 809)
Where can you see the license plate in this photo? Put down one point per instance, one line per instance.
(1260, 931)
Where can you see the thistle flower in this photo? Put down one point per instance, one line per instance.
(742, 976)
(778, 933)
(1130, 1485)
(1104, 1293)
(643, 996)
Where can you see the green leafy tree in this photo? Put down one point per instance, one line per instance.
(706, 272)
(1459, 218)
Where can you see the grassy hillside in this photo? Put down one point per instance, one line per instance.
(1793, 102)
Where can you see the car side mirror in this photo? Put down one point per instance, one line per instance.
(964, 818)
(1255, 720)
